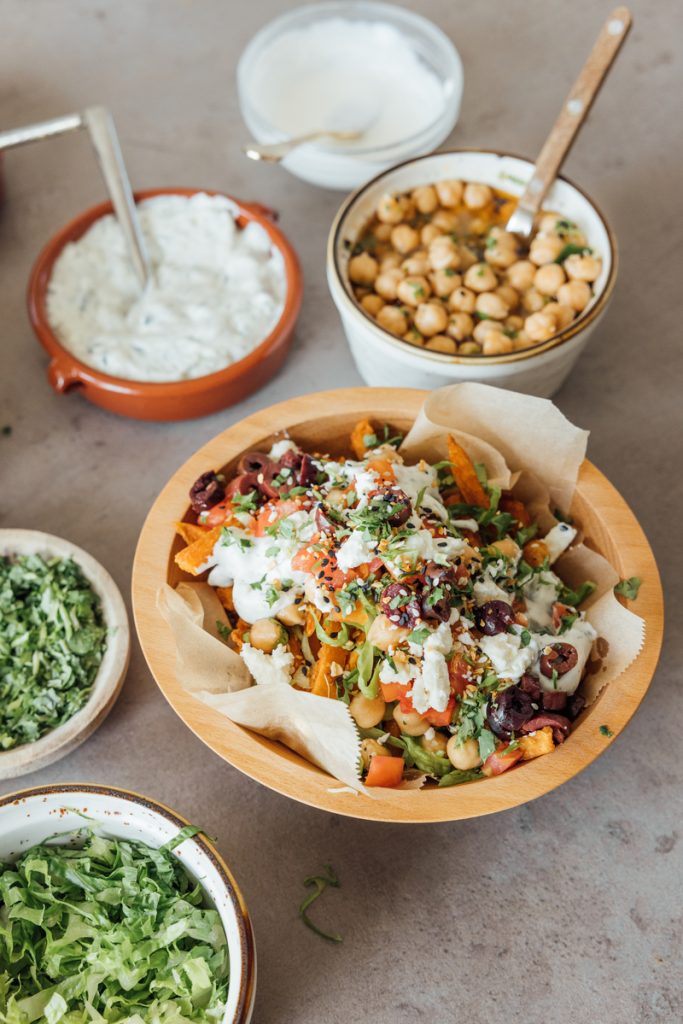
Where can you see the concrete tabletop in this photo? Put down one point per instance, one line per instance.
(567, 909)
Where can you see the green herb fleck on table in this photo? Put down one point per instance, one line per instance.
(6, 430)
(318, 884)
(605, 731)
(52, 641)
(629, 588)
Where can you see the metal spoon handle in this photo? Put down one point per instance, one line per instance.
(106, 144)
(277, 151)
(576, 107)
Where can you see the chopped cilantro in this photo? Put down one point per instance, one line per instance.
(570, 249)
(605, 731)
(576, 597)
(223, 630)
(629, 588)
(419, 635)
(6, 430)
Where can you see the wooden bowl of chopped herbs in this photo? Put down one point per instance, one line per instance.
(64, 648)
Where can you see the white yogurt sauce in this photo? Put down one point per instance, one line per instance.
(346, 75)
(216, 292)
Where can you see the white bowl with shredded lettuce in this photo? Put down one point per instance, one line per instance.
(113, 908)
(64, 648)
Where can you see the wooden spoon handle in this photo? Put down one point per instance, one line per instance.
(576, 106)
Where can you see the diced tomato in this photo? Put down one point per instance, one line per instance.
(406, 703)
(384, 771)
(441, 718)
(516, 508)
(559, 612)
(498, 762)
(218, 514)
(460, 674)
(273, 512)
(305, 559)
(394, 691)
(319, 561)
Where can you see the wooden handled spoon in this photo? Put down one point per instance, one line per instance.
(571, 117)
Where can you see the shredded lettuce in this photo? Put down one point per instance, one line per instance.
(104, 930)
(52, 640)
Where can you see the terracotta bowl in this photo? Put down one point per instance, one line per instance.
(181, 400)
(323, 421)
(36, 815)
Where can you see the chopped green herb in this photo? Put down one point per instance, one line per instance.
(52, 641)
(576, 597)
(605, 731)
(526, 534)
(318, 884)
(570, 249)
(419, 635)
(6, 430)
(524, 638)
(223, 630)
(629, 588)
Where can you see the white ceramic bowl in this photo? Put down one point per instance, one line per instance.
(385, 360)
(32, 816)
(328, 165)
(29, 757)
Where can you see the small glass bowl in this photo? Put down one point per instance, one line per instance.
(330, 165)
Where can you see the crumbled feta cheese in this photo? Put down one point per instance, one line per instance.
(357, 549)
(559, 539)
(279, 448)
(486, 590)
(509, 659)
(540, 594)
(421, 546)
(269, 669)
(466, 524)
(432, 686)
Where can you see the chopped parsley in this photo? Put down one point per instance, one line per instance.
(629, 588)
(52, 641)
(576, 597)
(605, 731)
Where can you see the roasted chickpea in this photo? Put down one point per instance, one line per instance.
(532, 300)
(442, 343)
(548, 279)
(443, 253)
(425, 198)
(389, 209)
(497, 344)
(404, 238)
(363, 268)
(469, 348)
(431, 318)
(418, 263)
(563, 314)
(372, 304)
(460, 326)
(480, 278)
(464, 757)
(491, 305)
(535, 553)
(462, 300)
(522, 340)
(368, 750)
(433, 741)
(484, 328)
(500, 256)
(467, 258)
(387, 283)
(446, 221)
(413, 290)
(477, 196)
(390, 261)
(521, 275)
(508, 294)
(513, 323)
(443, 282)
(414, 337)
(545, 249)
(410, 722)
(428, 233)
(408, 207)
(393, 319)
(583, 268)
(540, 326)
(449, 193)
(382, 232)
(507, 548)
(367, 712)
(576, 294)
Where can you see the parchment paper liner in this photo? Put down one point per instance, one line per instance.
(525, 443)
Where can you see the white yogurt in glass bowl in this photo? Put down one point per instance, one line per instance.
(216, 291)
(348, 66)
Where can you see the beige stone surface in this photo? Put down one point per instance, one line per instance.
(568, 909)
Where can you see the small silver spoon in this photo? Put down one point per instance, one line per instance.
(571, 117)
(276, 151)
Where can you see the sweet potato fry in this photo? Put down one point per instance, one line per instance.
(192, 558)
(190, 532)
(465, 475)
(361, 430)
(224, 595)
(322, 674)
(516, 508)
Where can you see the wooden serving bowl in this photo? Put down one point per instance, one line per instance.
(172, 400)
(323, 422)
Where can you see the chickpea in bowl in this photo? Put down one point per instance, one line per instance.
(435, 267)
(452, 207)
